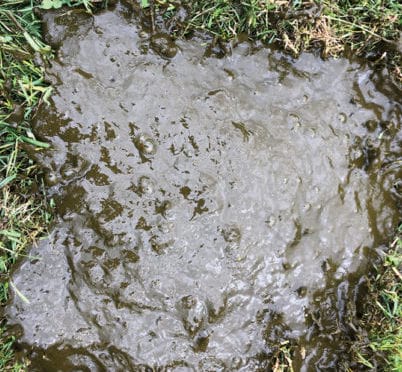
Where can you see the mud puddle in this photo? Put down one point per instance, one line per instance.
(208, 209)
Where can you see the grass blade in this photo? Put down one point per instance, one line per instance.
(19, 294)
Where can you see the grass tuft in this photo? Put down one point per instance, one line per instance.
(368, 28)
(383, 315)
(24, 209)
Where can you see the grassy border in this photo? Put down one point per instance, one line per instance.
(368, 28)
(383, 314)
(24, 209)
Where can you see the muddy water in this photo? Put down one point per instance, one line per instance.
(208, 209)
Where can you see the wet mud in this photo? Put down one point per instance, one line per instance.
(207, 209)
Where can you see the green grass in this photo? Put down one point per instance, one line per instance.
(24, 212)
(369, 28)
(383, 316)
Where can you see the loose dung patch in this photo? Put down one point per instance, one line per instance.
(202, 203)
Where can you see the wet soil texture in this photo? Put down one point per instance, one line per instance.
(208, 209)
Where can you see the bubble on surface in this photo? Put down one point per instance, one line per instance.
(163, 45)
(146, 185)
(145, 144)
(231, 234)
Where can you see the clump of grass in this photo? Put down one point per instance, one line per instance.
(7, 354)
(383, 315)
(369, 28)
(24, 210)
(25, 213)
